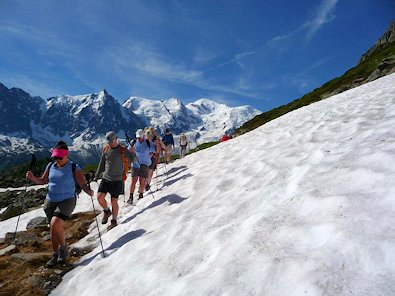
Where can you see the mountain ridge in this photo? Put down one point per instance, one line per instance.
(34, 125)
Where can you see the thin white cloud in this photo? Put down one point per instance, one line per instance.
(139, 56)
(237, 58)
(323, 16)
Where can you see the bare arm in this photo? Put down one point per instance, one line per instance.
(79, 176)
(100, 168)
(38, 180)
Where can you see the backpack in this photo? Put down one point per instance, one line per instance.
(77, 187)
(124, 161)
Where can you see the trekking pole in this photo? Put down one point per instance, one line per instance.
(32, 162)
(88, 179)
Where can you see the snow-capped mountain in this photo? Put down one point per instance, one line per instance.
(203, 120)
(34, 125)
(17, 110)
(162, 114)
(216, 119)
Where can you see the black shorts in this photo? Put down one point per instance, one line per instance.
(61, 209)
(115, 188)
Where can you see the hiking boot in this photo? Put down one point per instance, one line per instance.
(106, 214)
(130, 200)
(113, 224)
(140, 196)
(147, 187)
(63, 254)
(53, 261)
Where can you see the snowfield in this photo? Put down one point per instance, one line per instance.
(303, 205)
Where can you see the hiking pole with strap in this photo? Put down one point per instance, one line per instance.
(89, 178)
(31, 165)
(146, 180)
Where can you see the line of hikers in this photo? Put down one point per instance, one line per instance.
(63, 177)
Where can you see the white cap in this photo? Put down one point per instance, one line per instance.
(139, 133)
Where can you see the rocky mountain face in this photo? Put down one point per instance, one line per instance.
(387, 64)
(12, 102)
(387, 38)
(34, 125)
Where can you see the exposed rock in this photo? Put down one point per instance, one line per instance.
(35, 281)
(12, 211)
(23, 272)
(80, 251)
(31, 257)
(22, 237)
(37, 222)
(17, 202)
(387, 38)
(7, 250)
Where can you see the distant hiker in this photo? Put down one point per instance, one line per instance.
(61, 176)
(226, 137)
(144, 151)
(168, 140)
(114, 164)
(183, 145)
(150, 136)
(159, 146)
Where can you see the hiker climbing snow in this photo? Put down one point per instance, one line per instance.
(114, 164)
(62, 176)
(144, 150)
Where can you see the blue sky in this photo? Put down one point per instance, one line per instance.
(261, 53)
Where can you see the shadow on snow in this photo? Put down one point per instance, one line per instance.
(171, 198)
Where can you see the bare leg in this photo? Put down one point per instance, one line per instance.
(101, 197)
(115, 208)
(133, 184)
(142, 184)
(150, 173)
(57, 233)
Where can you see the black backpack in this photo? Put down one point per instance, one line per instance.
(78, 189)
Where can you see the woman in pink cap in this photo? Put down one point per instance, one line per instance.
(61, 197)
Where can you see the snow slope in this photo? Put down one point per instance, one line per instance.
(307, 208)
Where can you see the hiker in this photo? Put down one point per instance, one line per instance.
(226, 137)
(168, 140)
(143, 149)
(114, 164)
(159, 146)
(183, 144)
(61, 176)
(150, 136)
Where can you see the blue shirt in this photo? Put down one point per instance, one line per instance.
(61, 184)
(167, 139)
(142, 152)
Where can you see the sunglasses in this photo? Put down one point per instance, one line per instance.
(57, 158)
